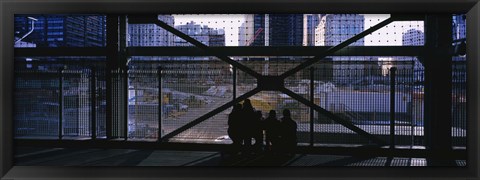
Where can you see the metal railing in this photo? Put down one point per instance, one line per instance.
(56, 102)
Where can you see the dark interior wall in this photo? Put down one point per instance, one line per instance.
(473, 73)
(286, 6)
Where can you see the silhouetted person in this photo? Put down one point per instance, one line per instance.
(248, 125)
(272, 130)
(289, 132)
(258, 131)
(235, 127)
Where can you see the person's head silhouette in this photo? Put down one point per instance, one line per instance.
(259, 114)
(286, 113)
(237, 107)
(272, 114)
(247, 104)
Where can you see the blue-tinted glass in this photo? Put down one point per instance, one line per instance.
(60, 31)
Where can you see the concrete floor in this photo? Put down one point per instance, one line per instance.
(133, 157)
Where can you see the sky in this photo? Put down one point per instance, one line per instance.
(389, 35)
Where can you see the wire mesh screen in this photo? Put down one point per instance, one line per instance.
(360, 93)
(36, 105)
(192, 88)
(244, 82)
(459, 103)
(276, 30)
(76, 103)
(211, 131)
(143, 102)
(405, 126)
(119, 99)
(214, 130)
(173, 91)
(50, 91)
(100, 91)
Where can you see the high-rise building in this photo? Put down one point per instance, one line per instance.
(336, 28)
(310, 23)
(204, 34)
(151, 34)
(459, 32)
(459, 26)
(242, 34)
(246, 35)
(63, 30)
(277, 30)
(413, 37)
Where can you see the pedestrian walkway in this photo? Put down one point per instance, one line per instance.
(135, 157)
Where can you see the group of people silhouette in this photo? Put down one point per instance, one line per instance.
(245, 124)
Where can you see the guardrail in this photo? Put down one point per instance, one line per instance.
(69, 101)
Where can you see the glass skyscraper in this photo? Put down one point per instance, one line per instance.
(281, 29)
(63, 30)
(336, 28)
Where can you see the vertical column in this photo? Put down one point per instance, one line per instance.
(112, 63)
(93, 105)
(473, 74)
(312, 96)
(393, 71)
(60, 103)
(125, 101)
(159, 76)
(234, 71)
(124, 66)
(438, 87)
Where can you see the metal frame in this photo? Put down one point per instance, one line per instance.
(438, 84)
(272, 82)
(263, 82)
(9, 8)
(227, 51)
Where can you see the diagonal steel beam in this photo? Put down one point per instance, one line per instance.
(211, 114)
(332, 116)
(338, 47)
(207, 49)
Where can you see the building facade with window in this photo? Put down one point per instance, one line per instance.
(63, 31)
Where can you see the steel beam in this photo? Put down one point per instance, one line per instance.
(198, 44)
(123, 60)
(334, 117)
(278, 51)
(227, 51)
(112, 63)
(60, 51)
(159, 76)
(438, 87)
(207, 49)
(393, 71)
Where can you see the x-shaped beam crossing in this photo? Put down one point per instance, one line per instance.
(271, 83)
